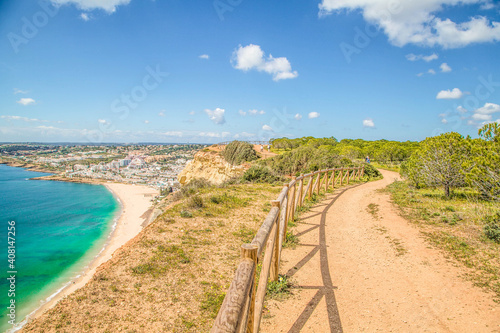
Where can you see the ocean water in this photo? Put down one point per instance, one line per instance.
(59, 228)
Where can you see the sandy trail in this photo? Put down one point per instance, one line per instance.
(358, 272)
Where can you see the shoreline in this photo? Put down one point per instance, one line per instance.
(135, 202)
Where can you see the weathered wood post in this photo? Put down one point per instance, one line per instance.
(310, 186)
(348, 175)
(341, 176)
(334, 178)
(249, 251)
(326, 180)
(276, 257)
(287, 216)
(362, 171)
(319, 182)
(292, 209)
(301, 189)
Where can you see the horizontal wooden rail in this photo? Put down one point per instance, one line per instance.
(241, 310)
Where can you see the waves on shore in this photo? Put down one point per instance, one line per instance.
(60, 228)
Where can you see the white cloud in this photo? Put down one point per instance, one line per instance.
(242, 113)
(106, 5)
(461, 109)
(146, 121)
(251, 57)
(450, 94)
(243, 135)
(415, 22)
(445, 68)
(19, 91)
(162, 113)
(214, 134)
(192, 113)
(173, 133)
(298, 116)
(85, 16)
(28, 120)
(204, 56)
(101, 121)
(420, 74)
(415, 57)
(444, 121)
(368, 123)
(255, 112)
(267, 128)
(26, 101)
(481, 117)
(488, 108)
(217, 115)
(431, 71)
(313, 115)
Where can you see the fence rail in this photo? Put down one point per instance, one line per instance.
(241, 309)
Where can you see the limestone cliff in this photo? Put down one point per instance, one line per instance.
(211, 166)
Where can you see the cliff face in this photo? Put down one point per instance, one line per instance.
(211, 166)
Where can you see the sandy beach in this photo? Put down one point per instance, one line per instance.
(135, 214)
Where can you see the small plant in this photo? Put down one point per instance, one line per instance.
(212, 300)
(291, 240)
(373, 210)
(195, 202)
(279, 289)
(113, 288)
(186, 214)
(492, 228)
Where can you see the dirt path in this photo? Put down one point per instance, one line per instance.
(358, 271)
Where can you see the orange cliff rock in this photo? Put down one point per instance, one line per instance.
(211, 166)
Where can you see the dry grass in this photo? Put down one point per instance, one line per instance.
(455, 226)
(173, 276)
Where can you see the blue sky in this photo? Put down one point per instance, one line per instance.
(211, 71)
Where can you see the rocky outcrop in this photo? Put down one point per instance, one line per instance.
(211, 166)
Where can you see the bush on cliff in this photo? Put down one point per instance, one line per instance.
(238, 152)
(260, 174)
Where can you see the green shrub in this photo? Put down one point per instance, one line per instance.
(192, 187)
(279, 289)
(195, 202)
(371, 172)
(238, 152)
(492, 228)
(186, 214)
(260, 174)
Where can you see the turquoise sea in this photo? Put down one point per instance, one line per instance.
(59, 228)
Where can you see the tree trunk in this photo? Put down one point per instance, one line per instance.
(447, 190)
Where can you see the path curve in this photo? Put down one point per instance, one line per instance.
(357, 272)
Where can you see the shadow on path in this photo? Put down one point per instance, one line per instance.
(327, 289)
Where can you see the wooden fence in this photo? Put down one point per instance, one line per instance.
(241, 309)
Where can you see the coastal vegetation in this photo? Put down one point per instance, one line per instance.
(238, 152)
(452, 192)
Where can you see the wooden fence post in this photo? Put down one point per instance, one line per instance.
(301, 189)
(319, 182)
(249, 251)
(292, 209)
(348, 175)
(287, 216)
(341, 176)
(276, 257)
(326, 180)
(310, 186)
